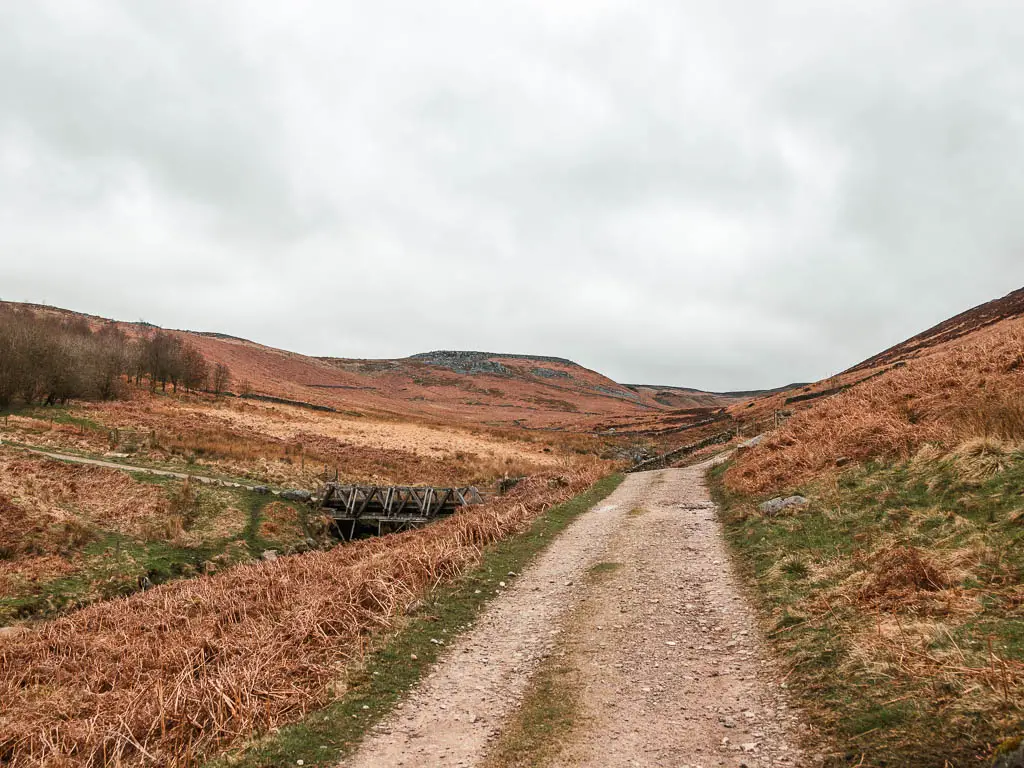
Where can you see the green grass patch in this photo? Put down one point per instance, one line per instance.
(143, 464)
(795, 568)
(893, 673)
(602, 570)
(109, 563)
(548, 713)
(254, 504)
(325, 736)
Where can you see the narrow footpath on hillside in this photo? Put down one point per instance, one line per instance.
(669, 666)
(74, 459)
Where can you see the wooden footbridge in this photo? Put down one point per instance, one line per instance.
(391, 508)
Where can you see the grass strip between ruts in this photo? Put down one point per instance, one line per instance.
(550, 709)
(326, 735)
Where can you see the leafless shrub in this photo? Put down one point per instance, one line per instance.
(220, 379)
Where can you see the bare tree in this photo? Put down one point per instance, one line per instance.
(163, 360)
(221, 378)
(111, 360)
(53, 359)
(195, 372)
(8, 360)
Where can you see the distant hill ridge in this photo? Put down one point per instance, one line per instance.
(471, 386)
(738, 394)
(989, 313)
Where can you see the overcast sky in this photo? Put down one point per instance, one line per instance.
(713, 194)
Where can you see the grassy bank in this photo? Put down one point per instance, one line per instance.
(244, 651)
(896, 597)
(398, 662)
(66, 566)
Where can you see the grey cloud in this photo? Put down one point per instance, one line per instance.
(722, 195)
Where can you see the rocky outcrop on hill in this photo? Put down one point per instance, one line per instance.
(468, 361)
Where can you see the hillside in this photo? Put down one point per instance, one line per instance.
(892, 591)
(466, 387)
(966, 323)
(461, 386)
(678, 398)
(893, 581)
(968, 328)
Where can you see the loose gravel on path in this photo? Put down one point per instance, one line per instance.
(672, 670)
(675, 673)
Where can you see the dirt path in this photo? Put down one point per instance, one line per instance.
(672, 671)
(71, 458)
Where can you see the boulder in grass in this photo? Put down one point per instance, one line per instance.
(1010, 754)
(751, 443)
(774, 506)
(294, 494)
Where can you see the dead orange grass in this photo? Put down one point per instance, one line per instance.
(277, 518)
(19, 528)
(980, 458)
(33, 569)
(974, 389)
(290, 445)
(49, 492)
(166, 676)
(39, 430)
(898, 574)
(913, 649)
(297, 424)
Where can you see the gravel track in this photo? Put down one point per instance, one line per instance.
(672, 671)
(675, 673)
